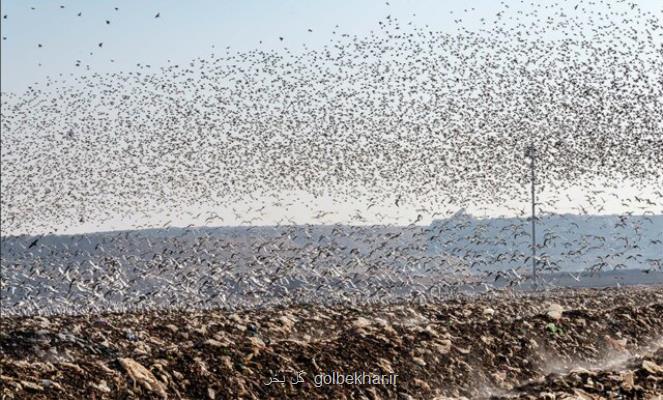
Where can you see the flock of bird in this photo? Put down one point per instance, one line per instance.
(405, 117)
(237, 267)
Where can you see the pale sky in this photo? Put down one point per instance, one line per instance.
(185, 30)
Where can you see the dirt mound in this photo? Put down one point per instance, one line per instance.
(639, 378)
(504, 346)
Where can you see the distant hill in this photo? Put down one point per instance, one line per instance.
(568, 242)
(222, 266)
(565, 242)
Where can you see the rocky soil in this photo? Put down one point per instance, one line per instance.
(564, 344)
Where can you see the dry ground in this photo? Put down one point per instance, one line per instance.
(586, 344)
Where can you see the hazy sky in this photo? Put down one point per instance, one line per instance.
(185, 30)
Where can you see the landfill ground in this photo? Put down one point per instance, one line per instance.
(561, 344)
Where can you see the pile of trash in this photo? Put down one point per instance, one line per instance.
(639, 378)
(586, 342)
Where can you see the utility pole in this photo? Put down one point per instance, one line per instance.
(531, 153)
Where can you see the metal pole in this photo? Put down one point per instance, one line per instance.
(531, 151)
